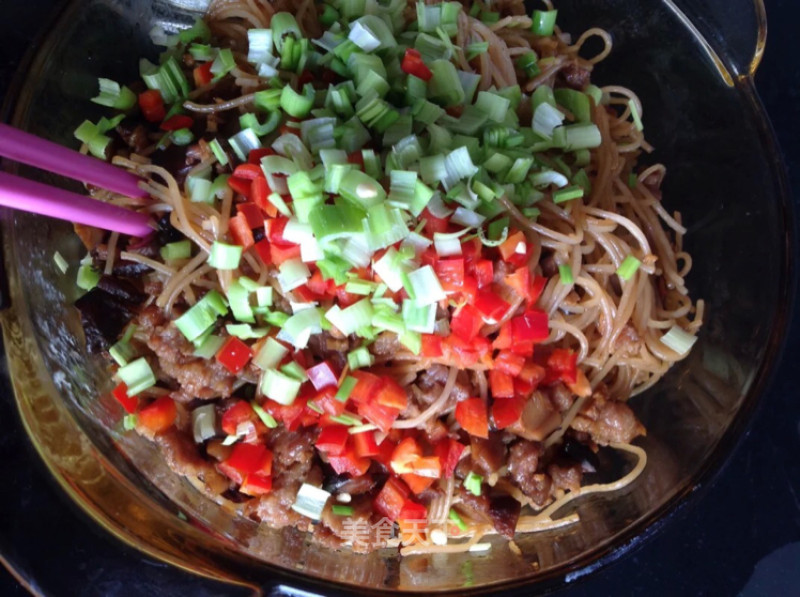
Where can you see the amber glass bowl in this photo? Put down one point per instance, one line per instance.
(691, 65)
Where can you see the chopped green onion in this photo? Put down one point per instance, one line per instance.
(296, 104)
(637, 118)
(342, 510)
(209, 347)
(425, 286)
(270, 354)
(544, 22)
(266, 418)
(218, 152)
(168, 79)
(224, 256)
(633, 180)
(567, 194)
(456, 518)
(88, 277)
(628, 267)
(198, 31)
(565, 272)
(351, 318)
(347, 419)
(360, 357)
(346, 388)
(280, 387)
(181, 249)
(529, 64)
(137, 376)
(678, 340)
(292, 273)
(245, 331)
(293, 369)
(310, 500)
(129, 422)
(472, 483)
(60, 262)
(114, 96)
(476, 49)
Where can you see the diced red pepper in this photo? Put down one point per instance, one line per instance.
(431, 346)
(484, 272)
(503, 339)
(501, 384)
(531, 326)
(248, 171)
(234, 355)
(564, 362)
(274, 229)
(532, 374)
(507, 411)
(255, 155)
(366, 387)
(432, 223)
(240, 230)
(417, 483)
(414, 65)
(159, 415)
(230, 472)
(385, 451)
(406, 452)
(467, 322)
(332, 440)
(250, 459)
(256, 485)
(427, 466)
(323, 375)
(259, 193)
(391, 498)
(413, 523)
(449, 452)
(520, 281)
(349, 463)
(202, 74)
(471, 415)
(391, 394)
(515, 250)
(152, 105)
(491, 305)
(364, 444)
(242, 186)
(252, 213)
(264, 250)
(326, 400)
(129, 403)
(450, 273)
(177, 122)
(240, 412)
(509, 362)
(537, 287)
(377, 414)
(280, 253)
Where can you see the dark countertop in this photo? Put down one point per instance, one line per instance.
(741, 536)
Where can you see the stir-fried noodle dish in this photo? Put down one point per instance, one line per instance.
(405, 273)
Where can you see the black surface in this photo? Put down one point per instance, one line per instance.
(742, 536)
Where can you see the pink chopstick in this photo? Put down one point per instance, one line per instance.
(38, 198)
(29, 149)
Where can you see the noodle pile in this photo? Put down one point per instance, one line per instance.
(615, 328)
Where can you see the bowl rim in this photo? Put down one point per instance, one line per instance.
(626, 541)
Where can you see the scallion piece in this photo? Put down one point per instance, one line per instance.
(472, 483)
(310, 500)
(678, 340)
(544, 22)
(426, 286)
(342, 510)
(360, 357)
(565, 272)
(296, 104)
(113, 95)
(628, 267)
(637, 118)
(567, 194)
(88, 277)
(266, 418)
(270, 355)
(529, 64)
(137, 376)
(224, 256)
(280, 387)
(457, 520)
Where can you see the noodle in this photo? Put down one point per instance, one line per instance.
(565, 260)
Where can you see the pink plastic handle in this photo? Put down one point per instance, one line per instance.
(38, 198)
(29, 149)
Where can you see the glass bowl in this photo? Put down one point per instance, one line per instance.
(692, 65)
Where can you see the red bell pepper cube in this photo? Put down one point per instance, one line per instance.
(564, 362)
(366, 387)
(256, 485)
(507, 411)
(501, 384)
(255, 155)
(531, 326)
(177, 122)
(503, 340)
(471, 415)
(414, 65)
(491, 305)
(377, 414)
(391, 498)
(484, 272)
(349, 463)
(406, 452)
(248, 171)
(280, 253)
(432, 223)
(431, 346)
(240, 185)
(427, 466)
(333, 440)
(417, 483)
(413, 523)
(449, 452)
(202, 74)
(250, 459)
(537, 287)
(364, 444)
(129, 403)
(264, 251)
(252, 213)
(450, 273)
(391, 394)
(234, 355)
(516, 249)
(326, 400)
(240, 412)
(509, 362)
(152, 105)
(159, 415)
(241, 233)
(323, 375)
(466, 323)
(259, 193)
